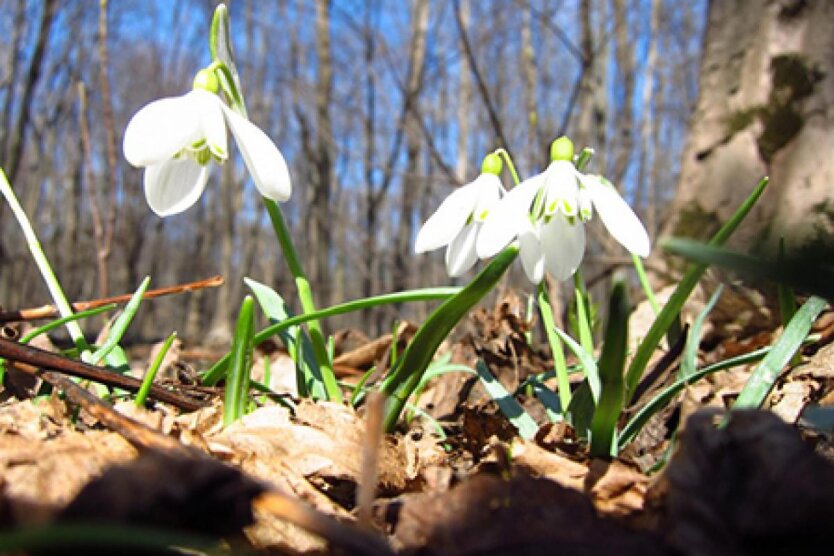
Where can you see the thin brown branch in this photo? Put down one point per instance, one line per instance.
(30, 360)
(479, 80)
(49, 311)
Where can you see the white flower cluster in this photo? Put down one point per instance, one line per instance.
(545, 214)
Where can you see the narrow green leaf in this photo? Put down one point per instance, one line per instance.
(689, 360)
(237, 382)
(150, 375)
(760, 383)
(669, 314)
(309, 381)
(406, 375)
(611, 364)
(117, 331)
(218, 370)
(667, 394)
(551, 402)
(520, 419)
(589, 366)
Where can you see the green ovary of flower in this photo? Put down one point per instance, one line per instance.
(492, 164)
(562, 149)
(207, 80)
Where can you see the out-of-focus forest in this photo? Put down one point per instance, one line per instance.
(380, 108)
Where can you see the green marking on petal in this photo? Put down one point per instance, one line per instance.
(567, 208)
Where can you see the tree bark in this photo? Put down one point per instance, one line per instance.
(766, 88)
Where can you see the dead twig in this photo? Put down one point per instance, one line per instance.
(49, 311)
(31, 360)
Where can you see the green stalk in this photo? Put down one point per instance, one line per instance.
(35, 248)
(509, 162)
(147, 380)
(583, 317)
(559, 362)
(644, 283)
(410, 367)
(305, 295)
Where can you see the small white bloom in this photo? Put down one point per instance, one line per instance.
(547, 214)
(176, 139)
(457, 220)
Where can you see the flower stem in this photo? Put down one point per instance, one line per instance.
(644, 282)
(44, 267)
(583, 316)
(305, 295)
(510, 166)
(559, 362)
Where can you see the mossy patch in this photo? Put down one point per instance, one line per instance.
(793, 78)
(695, 222)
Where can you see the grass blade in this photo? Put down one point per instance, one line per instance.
(520, 419)
(758, 387)
(122, 322)
(689, 360)
(589, 366)
(149, 377)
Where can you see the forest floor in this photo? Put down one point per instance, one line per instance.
(298, 482)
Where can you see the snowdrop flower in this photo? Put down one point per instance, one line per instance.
(547, 212)
(457, 220)
(175, 139)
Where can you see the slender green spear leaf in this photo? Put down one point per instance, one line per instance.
(309, 381)
(406, 374)
(520, 419)
(667, 394)
(611, 364)
(149, 377)
(122, 322)
(237, 383)
(760, 383)
(689, 361)
(589, 366)
(669, 314)
(218, 370)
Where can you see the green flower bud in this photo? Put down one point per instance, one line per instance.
(206, 79)
(492, 164)
(561, 149)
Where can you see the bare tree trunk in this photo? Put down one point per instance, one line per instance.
(19, 128)
(767, 81)
(626, 72)
(528, 66)
(464, 102)
(645, 174)
(411, 183)
(320, 208)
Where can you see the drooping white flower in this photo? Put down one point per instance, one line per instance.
(456, 222)
(175, 139)
(547, 214)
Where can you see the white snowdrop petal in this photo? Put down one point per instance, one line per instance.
(160, 130)
(530, 252)
(506, 218)
(489, 193)
(461, 255)
(264, 161)
(561, 189)
(213, 126)
(174, 185)
(448, 220)
(563, 244)
(618, 217)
